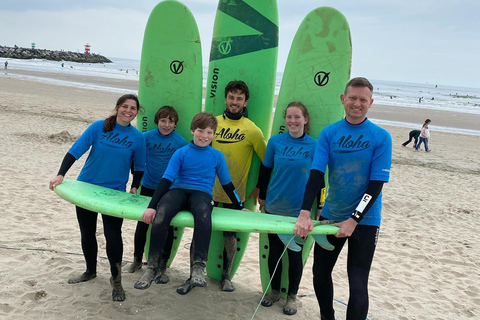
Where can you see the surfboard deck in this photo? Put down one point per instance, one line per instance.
(316, 72)
(170, 74)
(131, 206)
(244, 47)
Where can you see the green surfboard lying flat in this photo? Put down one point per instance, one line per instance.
(244, 47)
(131, 206)
(170, 73)
(316, 72)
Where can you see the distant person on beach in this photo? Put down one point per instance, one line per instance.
(187, 185)
(356, 174)
(6, 64)
(281, 193)
(414, 134)
(161, 143)
(113, 144)
(424, 136)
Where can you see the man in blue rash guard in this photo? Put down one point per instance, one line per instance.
(187, 185)
(358, 154)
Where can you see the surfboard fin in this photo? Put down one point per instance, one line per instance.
(291, 244)
(322, 241)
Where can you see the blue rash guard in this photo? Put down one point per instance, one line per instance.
(160, 149)
(195, 168)
(111, 154)
(355, 155)
(291, 159)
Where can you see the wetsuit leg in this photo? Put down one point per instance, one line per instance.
(112, 229)
(87, 221)
(276, 248)
(323, 264)
(200, 205)
(171, 203)
(295, 270)
(361, 248)
(230, 247)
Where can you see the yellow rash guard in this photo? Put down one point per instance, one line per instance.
(237, 139)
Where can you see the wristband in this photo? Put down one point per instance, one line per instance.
(358, 214)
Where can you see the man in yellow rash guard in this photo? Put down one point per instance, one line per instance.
(236, 137)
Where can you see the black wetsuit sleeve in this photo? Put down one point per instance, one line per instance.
(233, 195)
(67, 163)
(373, 191)
(137, 178)
(263, 181)
(316, 181)
(162, 188)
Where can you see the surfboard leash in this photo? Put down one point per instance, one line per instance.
(271, 277)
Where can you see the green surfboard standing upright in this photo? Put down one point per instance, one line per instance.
(170, 73)
(316, 72)
(244, 47)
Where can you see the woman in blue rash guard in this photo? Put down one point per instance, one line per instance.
(161, 142)
(113, 143)
(289, 156)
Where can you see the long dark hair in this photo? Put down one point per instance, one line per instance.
(301, 106)
(109, 123)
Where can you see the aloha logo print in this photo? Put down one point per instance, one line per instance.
(229, 137)
(225, 47)
(176, 67)
(114, 140)
(350, 145)
(293, 152)
(321, 78)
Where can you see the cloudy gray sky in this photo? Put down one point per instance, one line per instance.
(422, 41)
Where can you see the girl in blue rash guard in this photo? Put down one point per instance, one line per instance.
(161, 142)
(187, 185)
(113, 144)
(289, 155)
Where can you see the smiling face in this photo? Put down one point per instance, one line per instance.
(166, 126)
(356, 101)
(235, 102)
(295, 121)
(203, 137)
(126, 112)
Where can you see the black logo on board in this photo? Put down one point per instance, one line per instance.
(176, 67)
(225, 47)
(321, 78)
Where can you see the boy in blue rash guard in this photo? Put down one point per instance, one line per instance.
(358, 154)
(161, 142)
(187, 184)
(113, 144)
(289, 155)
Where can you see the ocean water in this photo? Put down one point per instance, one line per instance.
(408, 95)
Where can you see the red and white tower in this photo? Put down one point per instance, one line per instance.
(87, 48)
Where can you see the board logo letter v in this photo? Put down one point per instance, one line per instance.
(225, 47)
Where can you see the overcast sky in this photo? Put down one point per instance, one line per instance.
(423, 41)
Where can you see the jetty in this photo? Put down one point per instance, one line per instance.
(55, 55)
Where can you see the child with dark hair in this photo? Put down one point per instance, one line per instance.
(161, 142)
(187, 185)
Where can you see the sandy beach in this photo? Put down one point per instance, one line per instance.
(426, 265)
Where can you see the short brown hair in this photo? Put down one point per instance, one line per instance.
(166, 112)
(359, 82)
(237, 86)
(203, 120)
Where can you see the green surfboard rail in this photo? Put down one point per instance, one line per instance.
(316, 72)
(170, 74)
(131, 206)
(244, 47)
